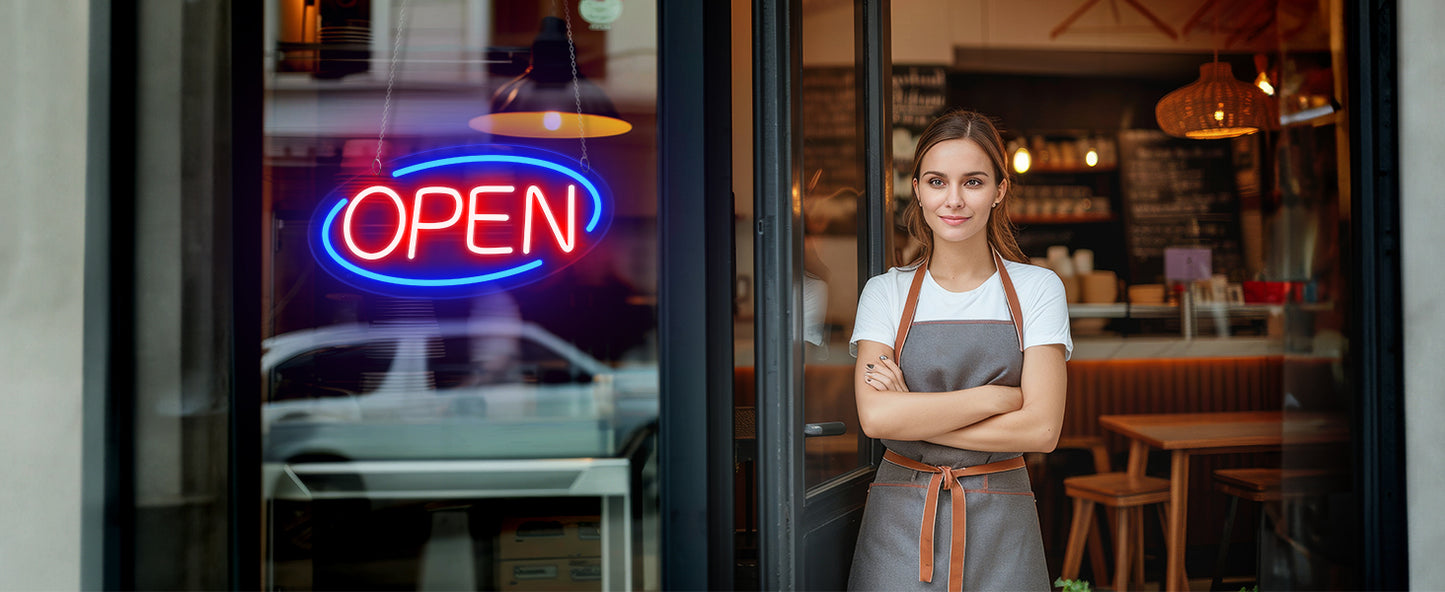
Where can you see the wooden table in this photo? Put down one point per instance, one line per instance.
(1188, 434)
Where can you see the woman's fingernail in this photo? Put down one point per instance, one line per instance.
(870, 366)
(883, 357)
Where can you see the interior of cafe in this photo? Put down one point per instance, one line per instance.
(1183, 168)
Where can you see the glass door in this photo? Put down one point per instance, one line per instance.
(819, 203)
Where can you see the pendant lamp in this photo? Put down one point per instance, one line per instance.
(1215, 106)
(543, 102)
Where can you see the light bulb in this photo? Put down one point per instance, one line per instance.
(552, 120)
(1022, 160)
(1262, 81)
(1091, 158)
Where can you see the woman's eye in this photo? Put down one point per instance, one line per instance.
(973, 183)
(935, 182)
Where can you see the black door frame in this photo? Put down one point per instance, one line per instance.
(788, 511)
(778, 278)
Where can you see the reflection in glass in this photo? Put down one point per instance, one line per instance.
(424, 443)
(832, 175)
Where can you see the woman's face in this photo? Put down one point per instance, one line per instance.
(957, 188)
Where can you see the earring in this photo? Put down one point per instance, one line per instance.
(995, 204)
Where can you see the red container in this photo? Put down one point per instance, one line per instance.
(1267, 292)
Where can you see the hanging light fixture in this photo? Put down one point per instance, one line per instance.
(544, 103)
(1216, 106)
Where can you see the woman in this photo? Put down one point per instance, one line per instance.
(980, 382)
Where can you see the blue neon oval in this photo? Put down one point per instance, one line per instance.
(401, 281)
(527, 160)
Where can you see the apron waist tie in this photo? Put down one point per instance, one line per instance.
(947, 478)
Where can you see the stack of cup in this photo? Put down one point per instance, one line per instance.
(1063, 265)
(1083, 262)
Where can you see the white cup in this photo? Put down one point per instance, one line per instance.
(1064, 267)
(1057, 255)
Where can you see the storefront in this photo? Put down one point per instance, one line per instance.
(456, 294)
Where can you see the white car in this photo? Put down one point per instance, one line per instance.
(450, 389)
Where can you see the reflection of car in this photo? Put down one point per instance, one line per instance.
(460, 389)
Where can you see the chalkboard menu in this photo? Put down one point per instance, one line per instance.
(919, 94)
(1178, 193)
(832, 148)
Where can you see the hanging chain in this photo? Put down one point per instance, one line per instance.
(576, 86)
(390, 81)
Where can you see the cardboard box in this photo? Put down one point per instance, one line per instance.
(573, 573)
(543, 537)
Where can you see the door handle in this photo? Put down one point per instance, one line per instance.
(827, 428)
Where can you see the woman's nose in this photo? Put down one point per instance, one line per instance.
(954, 198)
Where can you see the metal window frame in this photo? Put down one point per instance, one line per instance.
(1378, 357)
(695, 279)
(247, 81)
(108, 418)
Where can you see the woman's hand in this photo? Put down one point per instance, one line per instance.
(885, 375)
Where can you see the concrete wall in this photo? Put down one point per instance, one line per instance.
(1422, 209)
(42, 240)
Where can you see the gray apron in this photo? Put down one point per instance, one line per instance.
(971, 512)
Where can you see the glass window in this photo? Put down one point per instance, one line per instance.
(460, 212)
(1209, 278)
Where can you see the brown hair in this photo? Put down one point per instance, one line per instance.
(970, 125)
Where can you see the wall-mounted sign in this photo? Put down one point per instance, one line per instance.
(461, 222)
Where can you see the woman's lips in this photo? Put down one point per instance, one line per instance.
(953, 220)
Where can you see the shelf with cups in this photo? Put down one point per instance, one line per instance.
(1234, 310)
(1067, 170)
(1080, 218)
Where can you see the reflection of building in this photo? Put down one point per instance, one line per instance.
(127, 354)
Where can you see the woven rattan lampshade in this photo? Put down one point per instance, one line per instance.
(1215, 106)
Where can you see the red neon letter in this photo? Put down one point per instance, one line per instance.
(568, 242)
(473, 217)
(400, 222)
(417, 224)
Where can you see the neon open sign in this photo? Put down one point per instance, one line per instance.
(460, 223)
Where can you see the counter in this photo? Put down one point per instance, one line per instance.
(1154, 347)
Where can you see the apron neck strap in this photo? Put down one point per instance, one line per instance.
(1015, 311)
(910, 305)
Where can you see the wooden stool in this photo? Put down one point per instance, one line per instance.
(1038, 473)
(1127, 496)
(1098, 449)
(1263, 485)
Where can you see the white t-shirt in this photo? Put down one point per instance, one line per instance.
(1040, 292)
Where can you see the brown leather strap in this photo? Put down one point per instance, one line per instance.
(947, 478)
(1014, 310)
(909, 305)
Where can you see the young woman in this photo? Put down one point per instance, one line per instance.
(980, 381)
